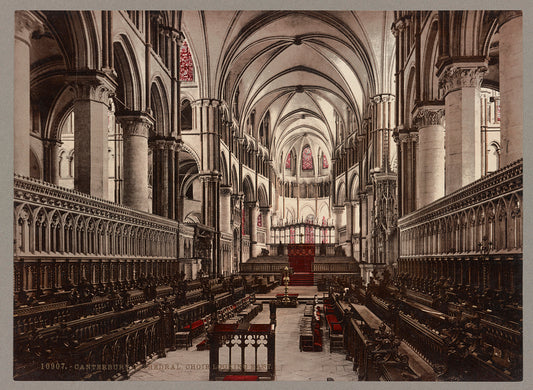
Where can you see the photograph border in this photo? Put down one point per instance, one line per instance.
(6, 174)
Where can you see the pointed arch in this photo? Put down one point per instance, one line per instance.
(262, 196)
(129, 89)
(248, 189)
(159, 102)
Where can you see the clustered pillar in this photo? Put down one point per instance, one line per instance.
(165, 176)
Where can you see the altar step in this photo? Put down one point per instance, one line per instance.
(302, 279)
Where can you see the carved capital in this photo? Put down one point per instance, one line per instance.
(366, 125)
(425, 117)
(338, 209)
(396, 137)
(264, 210)
(135, 124)
(403, 137)
(251, 204)
(160, 144)
(237, 197)
(96, 86)
(209, 176)
(207, 103)
(26, 24)
(51, 143)
(156, 16)
(172, 145)
(383, 98)
(174, 34)
(400, 25)
(226, 190)
(456, 77)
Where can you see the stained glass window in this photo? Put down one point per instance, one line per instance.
(324, 221)
(309, 234)
(259, 220)
(324, 236)
(324, 162)
(309, 230)
(307, 159)
(186, 65)
(292, 240)
(288, 161)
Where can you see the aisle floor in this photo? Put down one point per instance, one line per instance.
(291, 364)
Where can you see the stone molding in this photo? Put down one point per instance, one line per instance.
(506, 16)
(459, 76)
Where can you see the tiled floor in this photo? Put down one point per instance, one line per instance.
(291, 364)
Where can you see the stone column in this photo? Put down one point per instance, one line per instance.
(210, 184)
(225, 208)
(135, 126)
(207, 120)
(364, 213)
(370, 210)
(349, 227)
(25, 24)
(461, 84)
(338, 211)
(178, 205)
(384, 122)
(511, 86)
(51, 167)
(408, 146)
(430, 163)
(254, 212)
(356, 220)
(171, 163)
(265, 214)
(91, 119)
(164, 179)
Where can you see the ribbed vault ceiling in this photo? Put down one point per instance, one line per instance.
(307, 69)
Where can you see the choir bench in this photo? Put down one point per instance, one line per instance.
(335, 329)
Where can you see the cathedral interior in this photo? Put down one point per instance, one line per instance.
(268, 195)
